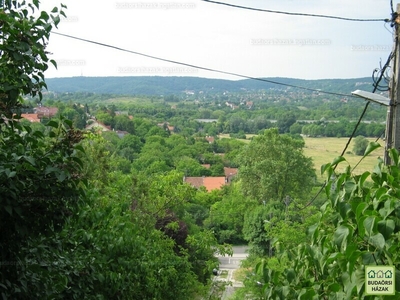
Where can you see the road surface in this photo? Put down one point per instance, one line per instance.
(230, 264)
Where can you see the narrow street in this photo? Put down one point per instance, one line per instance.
(231, 264)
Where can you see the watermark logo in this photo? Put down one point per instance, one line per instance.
(70, 62)
(366, 48)
(157, 70)
(290, 42)
(155, 5)
(70, 19)
(379, 280)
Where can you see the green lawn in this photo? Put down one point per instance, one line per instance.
(324, 150)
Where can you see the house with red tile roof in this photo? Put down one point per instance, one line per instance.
(33, 118)
(45, 112)
(210, 183)
(214, 183)
(210, 139)
(230, 173)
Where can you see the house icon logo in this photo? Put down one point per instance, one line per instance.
(380, 274)
(371, 274)
(379, 280)
(388, 274)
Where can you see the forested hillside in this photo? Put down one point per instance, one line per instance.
(157, 85)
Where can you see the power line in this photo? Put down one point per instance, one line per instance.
(200, 67)
(242, 76)
(376, 85)
(297, 14)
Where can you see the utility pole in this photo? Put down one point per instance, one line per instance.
(393, 126)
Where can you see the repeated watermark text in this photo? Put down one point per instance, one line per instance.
(155, 5)
(290, 42)
(157, 70)
(366, 48)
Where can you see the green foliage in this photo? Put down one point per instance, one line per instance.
(40, 180)
(24, 33)
(191, 167)
(226, 217)
(105, 251)
(358, 226)
(202, 247)
(255, 227)
(289, 229)
(360, 145)
(74, 222)
(273, 167)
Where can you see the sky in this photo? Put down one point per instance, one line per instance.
(245, 42)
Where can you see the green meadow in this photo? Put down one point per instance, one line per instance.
(325, 150)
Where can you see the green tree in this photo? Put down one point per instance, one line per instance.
(23, 60)
(360, 145)
(273, 166)
(191, 167)
(255, 229)
(226, 217)
(40, 181)
(285, 121)
(132, 142)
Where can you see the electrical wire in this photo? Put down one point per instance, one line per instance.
(381, 76)
(376, 87)
(200, 67)
(388, 30)
(242, 76)
(295, 13)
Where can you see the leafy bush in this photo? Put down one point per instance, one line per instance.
(360, 145)
(358, 226)
(40, 182)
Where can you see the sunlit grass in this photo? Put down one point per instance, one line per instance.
(241, 274)
(324, 150)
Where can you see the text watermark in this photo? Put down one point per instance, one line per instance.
(290, 42)
(157, 70)
(155, 5)
(371, 48)
(70, 62)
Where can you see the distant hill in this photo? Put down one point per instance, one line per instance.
(160, 85)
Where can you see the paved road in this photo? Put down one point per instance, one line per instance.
(230, 264)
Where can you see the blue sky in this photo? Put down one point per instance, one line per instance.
(251, 43)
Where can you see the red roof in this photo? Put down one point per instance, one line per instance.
(213, 183)
(44, 111)
(210, 139)
(194, 181)
(34, 118)
(230, 171)
(210, 183)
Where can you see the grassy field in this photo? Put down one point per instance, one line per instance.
(324, 150)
